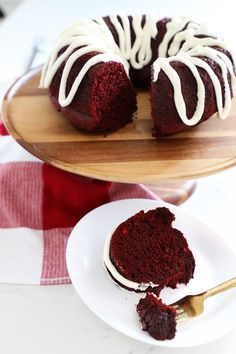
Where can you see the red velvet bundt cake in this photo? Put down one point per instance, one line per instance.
(158, 319)
(95, 65)
(145, 253)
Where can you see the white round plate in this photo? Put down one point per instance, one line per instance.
(215, 262)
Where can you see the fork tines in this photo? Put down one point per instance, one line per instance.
(181, 314)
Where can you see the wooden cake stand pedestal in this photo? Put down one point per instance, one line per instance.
(173, 192)
(130, 155)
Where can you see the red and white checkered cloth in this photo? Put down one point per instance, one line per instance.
(39, 206)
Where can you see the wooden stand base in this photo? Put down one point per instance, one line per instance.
(174, 193)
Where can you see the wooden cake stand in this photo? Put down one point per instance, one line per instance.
(130, 155)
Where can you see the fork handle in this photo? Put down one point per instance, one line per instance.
(220, 288)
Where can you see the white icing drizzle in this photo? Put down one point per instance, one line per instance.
(116, 275)
(94, 35)
(104, 57)
(164, 65)
(181, 43)
(207, 42)
(192, 61)
(139, 54)
(182, 30)
(172, 28)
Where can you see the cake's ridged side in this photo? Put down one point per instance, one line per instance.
(164, 113)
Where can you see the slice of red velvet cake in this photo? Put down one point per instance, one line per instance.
(158, 319)
(145, 253)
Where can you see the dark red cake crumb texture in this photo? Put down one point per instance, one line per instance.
(157, 318)
(105, 100)
(146, 248)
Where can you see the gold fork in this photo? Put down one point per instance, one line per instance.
(193, 305)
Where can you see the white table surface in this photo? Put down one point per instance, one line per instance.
(53, 319)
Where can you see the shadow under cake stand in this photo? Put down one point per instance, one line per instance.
(168, 166)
